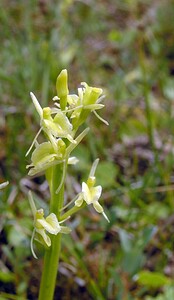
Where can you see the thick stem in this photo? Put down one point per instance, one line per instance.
(51, 259)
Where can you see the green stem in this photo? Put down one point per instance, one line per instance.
(146, 89)
(51, 259)
(146, 94)
(72, 211)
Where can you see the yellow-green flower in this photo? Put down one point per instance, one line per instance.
(91, 193)
(58, 126)
(55, 127)
(49, 224)
(46, 156)
(88, 100)
(43, 226)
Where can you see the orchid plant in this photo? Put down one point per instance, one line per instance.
(60, 124)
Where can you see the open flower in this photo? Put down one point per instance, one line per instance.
(58, 126)
(46, 156)
(49, 224)
(90, 193)
(88, 97)
(43, 226)
(55, 127)
(88, 100)
(79, 106)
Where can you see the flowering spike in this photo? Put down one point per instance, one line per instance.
(60, 125)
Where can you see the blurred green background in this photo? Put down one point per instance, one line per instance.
(127, 48)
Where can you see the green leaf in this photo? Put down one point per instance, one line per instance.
(6, 276)
(133, 261)
(16, 237)
(152, 279)
(146, 236)
(106, 174)
(125, 239)
(82, 153)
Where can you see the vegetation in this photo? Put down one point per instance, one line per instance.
(126, 48)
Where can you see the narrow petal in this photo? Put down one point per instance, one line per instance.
(93, 168)
(93, 107)
(37, 105)
(86, 193)
(80, 93)
(69, 137)
(100, 118)
(44, 236)
(96, 193)
(33, 141)
(31, 244)
(54, 224)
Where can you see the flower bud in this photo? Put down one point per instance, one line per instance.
(62, 88)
